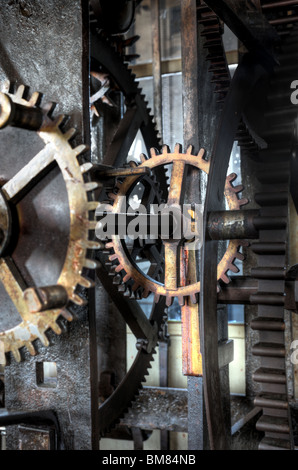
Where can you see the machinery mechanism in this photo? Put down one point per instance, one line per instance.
(95, 190)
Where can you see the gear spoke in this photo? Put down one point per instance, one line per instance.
(126, 132)
(171, 255)
(176, 184)
(23, 179)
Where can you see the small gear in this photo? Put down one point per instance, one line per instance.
(125, 265)
(40, 307)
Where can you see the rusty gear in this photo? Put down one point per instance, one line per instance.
(121, 256)
(57, 149)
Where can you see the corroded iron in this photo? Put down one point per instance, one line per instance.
(57, 149)
(171, 288)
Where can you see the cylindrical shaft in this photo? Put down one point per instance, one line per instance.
(17, 115)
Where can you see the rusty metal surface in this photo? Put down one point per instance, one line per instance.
(171, 288)
(270, 323)
(57, 149)
(245, 77)
(190, 329)
(117, 141)
(156, 64)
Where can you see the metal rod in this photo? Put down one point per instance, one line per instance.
(121, 172)
(285, 3)
(156, 64)
(286, 20)
(17, 115)
(40, 299)
(228, 225)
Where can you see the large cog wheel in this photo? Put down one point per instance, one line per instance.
(170, 288)
(78, 260)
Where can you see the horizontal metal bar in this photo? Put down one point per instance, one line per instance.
(228, 225)
(121, 172)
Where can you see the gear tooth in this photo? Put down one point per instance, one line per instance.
(143, 158)
(21, 91)
(91, 244)
(76, 299)
(243, 201)
(118, 268)
(80, 149)
(233, 268)
(109, 245)
(201, 153)
(85, 167)
(92, 205)
(16, 354)
(193, 298)
(225, 278)
(95, 245)
(231, 177)
(181, 300)
(84, 282)
(156, 298)
(59, 120)
(66, 314)
(91, 186)
(189, 150)
(169, 300)
(153, 152)
(165, 149)
(238, 189)
(70, 133)
(132, 164)
(49, 108)
(43, 339)
(56, 328)
(126, 277)
(35, 99)
(90, 263)
(239, 256)
(30, 348)
(113, 257)
(178, 148)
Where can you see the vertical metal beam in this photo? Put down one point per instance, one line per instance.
(156, 64)
(163, 382)
(197, 432)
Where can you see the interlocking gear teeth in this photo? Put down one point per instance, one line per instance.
(80, 189)
(123, 265)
